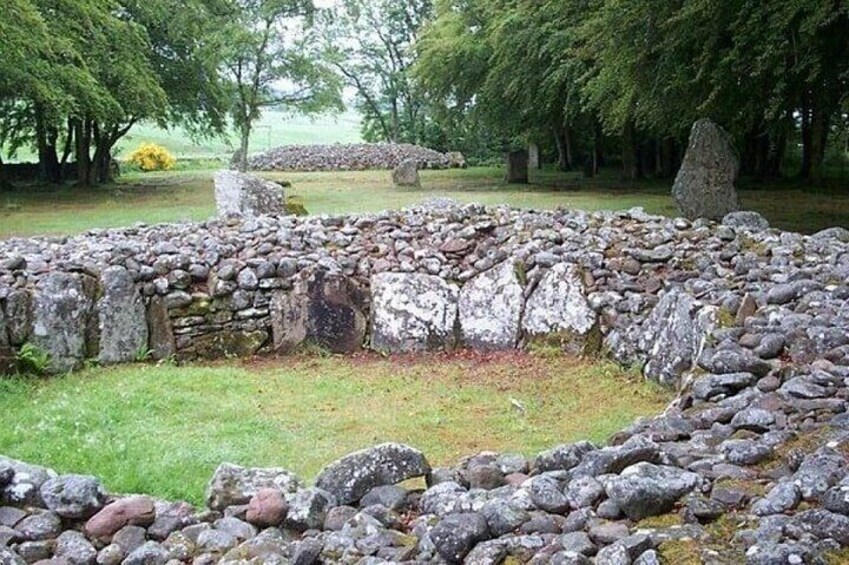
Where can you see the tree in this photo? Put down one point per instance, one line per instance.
(370, 43)
(270, 57)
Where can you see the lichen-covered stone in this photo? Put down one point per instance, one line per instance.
(61, 310)
(412, 312)
(239, 194)
(704, 187)
(121, 312)
(558, 309)
(490, 309)
(73, 496)
(232, 485)
(351, 477)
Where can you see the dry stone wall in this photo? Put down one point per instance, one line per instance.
(352, 157)
(749, 464)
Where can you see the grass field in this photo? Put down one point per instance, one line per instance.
(303, 412)
(188, 195)
(271, 130)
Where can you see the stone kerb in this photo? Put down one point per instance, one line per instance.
(749, 323)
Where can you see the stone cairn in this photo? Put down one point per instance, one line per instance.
(352, 157)
(749, 464)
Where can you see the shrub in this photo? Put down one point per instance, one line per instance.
(152, 157)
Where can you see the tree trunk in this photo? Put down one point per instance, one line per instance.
(243, 147)
(819, 138)
(46, 136)
(630, 154)
(668, 161)
(82, 154)
(562, 151)
(4, 176)
(598, 146)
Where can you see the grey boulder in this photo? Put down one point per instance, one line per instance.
(645, 489)
(351, 477)
(74, 496)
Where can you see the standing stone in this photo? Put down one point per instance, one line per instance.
(558, 311)
(238, 194)
(704, 187)
(406, 175)
(162, 344)
(490, 309)
(123, 324)
(350, 478)
(517, 167)
(534, 161)
(7, 358)
(19, 316)
(60, 313)
(325, 307)
(412, 312)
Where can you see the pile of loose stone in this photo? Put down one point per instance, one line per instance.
(351, 157)
(749, 464)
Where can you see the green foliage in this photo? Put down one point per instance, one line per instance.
(270, 58)
(32, 360)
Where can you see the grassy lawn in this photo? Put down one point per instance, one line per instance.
(188, 195)
(162, 430)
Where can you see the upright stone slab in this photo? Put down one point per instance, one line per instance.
(406, 175)
(674, 336)
(61, 309)
(325, 307)
(121, 312)
(161, 334)
(517, 167)
(534, 161)
(558, 312)
(19, 316)
(704, 187)
(412, 312)
(490, 309)
(239, 194)
(6, 356)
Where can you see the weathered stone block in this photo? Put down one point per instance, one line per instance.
(238, 194)
(61, 310)
(412, 312)
(325, 307)
(490, 309)
(121, 312)
(161, 334)
(517, 167)
(406, 175)
(558, 312)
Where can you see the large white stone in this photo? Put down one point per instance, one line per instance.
(490, 309)
(238, 194)
(559, 306)
(412, 312)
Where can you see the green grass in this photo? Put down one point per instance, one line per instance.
(163, 430)
(188, 195)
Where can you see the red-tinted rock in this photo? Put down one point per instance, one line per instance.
(267, 508)
(135, 510)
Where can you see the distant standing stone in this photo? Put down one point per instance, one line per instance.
(704, 187)
(406, 175)
(517, 167)
(238, 194)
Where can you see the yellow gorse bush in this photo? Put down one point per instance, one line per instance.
(152, 157)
